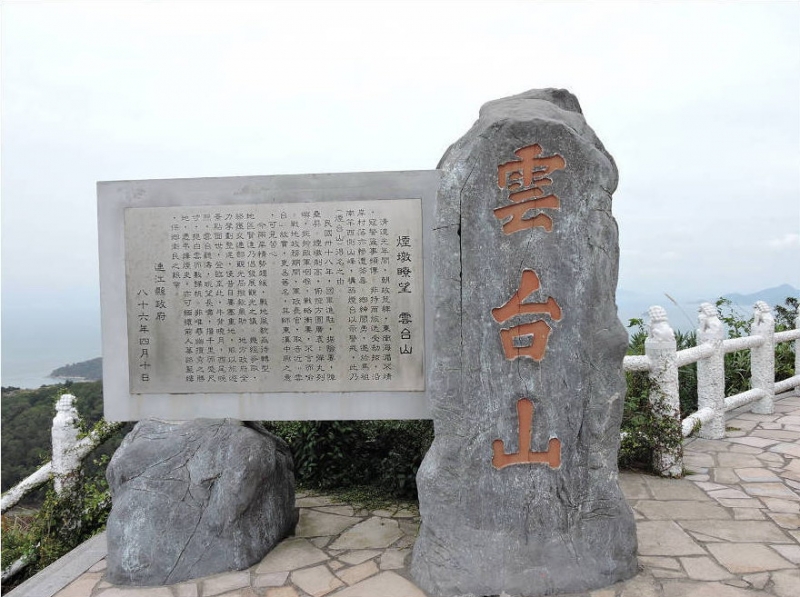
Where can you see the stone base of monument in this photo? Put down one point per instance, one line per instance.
(523, 534)
(196, 498)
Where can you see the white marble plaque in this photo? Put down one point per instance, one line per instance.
(276, 297)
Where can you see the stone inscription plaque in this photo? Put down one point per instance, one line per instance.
(278, 297)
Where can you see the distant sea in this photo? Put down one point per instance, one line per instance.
(33, 347)
(35, 342)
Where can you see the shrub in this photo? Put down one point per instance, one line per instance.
(342, 454)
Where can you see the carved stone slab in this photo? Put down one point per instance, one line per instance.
(267, 297)
(519, 492)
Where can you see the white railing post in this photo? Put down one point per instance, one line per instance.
(762, 358)
(66, 461)
(797, 353)
(711, 372)
(661, 349)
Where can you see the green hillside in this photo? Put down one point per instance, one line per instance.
(27, 417)
(91, 370)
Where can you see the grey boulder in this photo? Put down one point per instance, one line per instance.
(196, 498)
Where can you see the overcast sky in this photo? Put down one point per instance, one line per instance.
(699, 103)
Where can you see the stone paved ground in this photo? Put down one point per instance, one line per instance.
(731, 528)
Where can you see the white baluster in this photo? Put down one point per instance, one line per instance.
(711, 372)
(65, 438)
(661, 349)
(762, 358)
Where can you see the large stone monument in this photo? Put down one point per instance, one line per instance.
(519, 491)
(297, 297)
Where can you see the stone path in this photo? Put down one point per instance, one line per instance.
(731, 528)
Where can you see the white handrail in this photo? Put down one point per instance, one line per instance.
(68, 453)
(661, 360)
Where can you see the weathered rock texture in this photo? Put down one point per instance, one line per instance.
(546, 516)
(196, 498)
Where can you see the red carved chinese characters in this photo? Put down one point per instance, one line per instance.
(536, 332)
(524, 178)
(524, 453)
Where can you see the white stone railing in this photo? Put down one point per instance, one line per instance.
(68, 455)
(662, 360)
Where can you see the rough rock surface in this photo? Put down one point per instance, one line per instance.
(546, 516)
(196, 498)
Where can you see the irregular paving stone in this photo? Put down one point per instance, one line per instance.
(746, 513)
(779, 505)
(738, 531)
(786, 583)
(358, 556)
(372, 533)
(786, 520)
(738, 448)
(273, 579)
(704, 568)
(80, 587)
(674, 489)
(790, 552)
(186, 590)
(681, 510)
(291, 555)
(737, 461)
(394, 559)
(789, 420)
(747, 558)
(225, 582)
(665, 538)
(756, 475)
(633, 486)
(777, 434)
(282, 592)
(770, 490)
(643, 585)
(707, 487)
(317, 581)
(757, 581)
(206, 482)
(658, 573)
(698, 476)
(385, 584)
(693, 460)
(321, 541)
(358, 573)
(724, 475)
(319, 524)
(340, 510)
(790, 449)
(710, 589)
(660, 562)
(127, 592)
(546, 515)
(756, 442)
(703, 538)
(733, 498)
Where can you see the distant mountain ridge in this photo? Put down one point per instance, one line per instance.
(682, 312)
(91, 370)
(771, 296)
